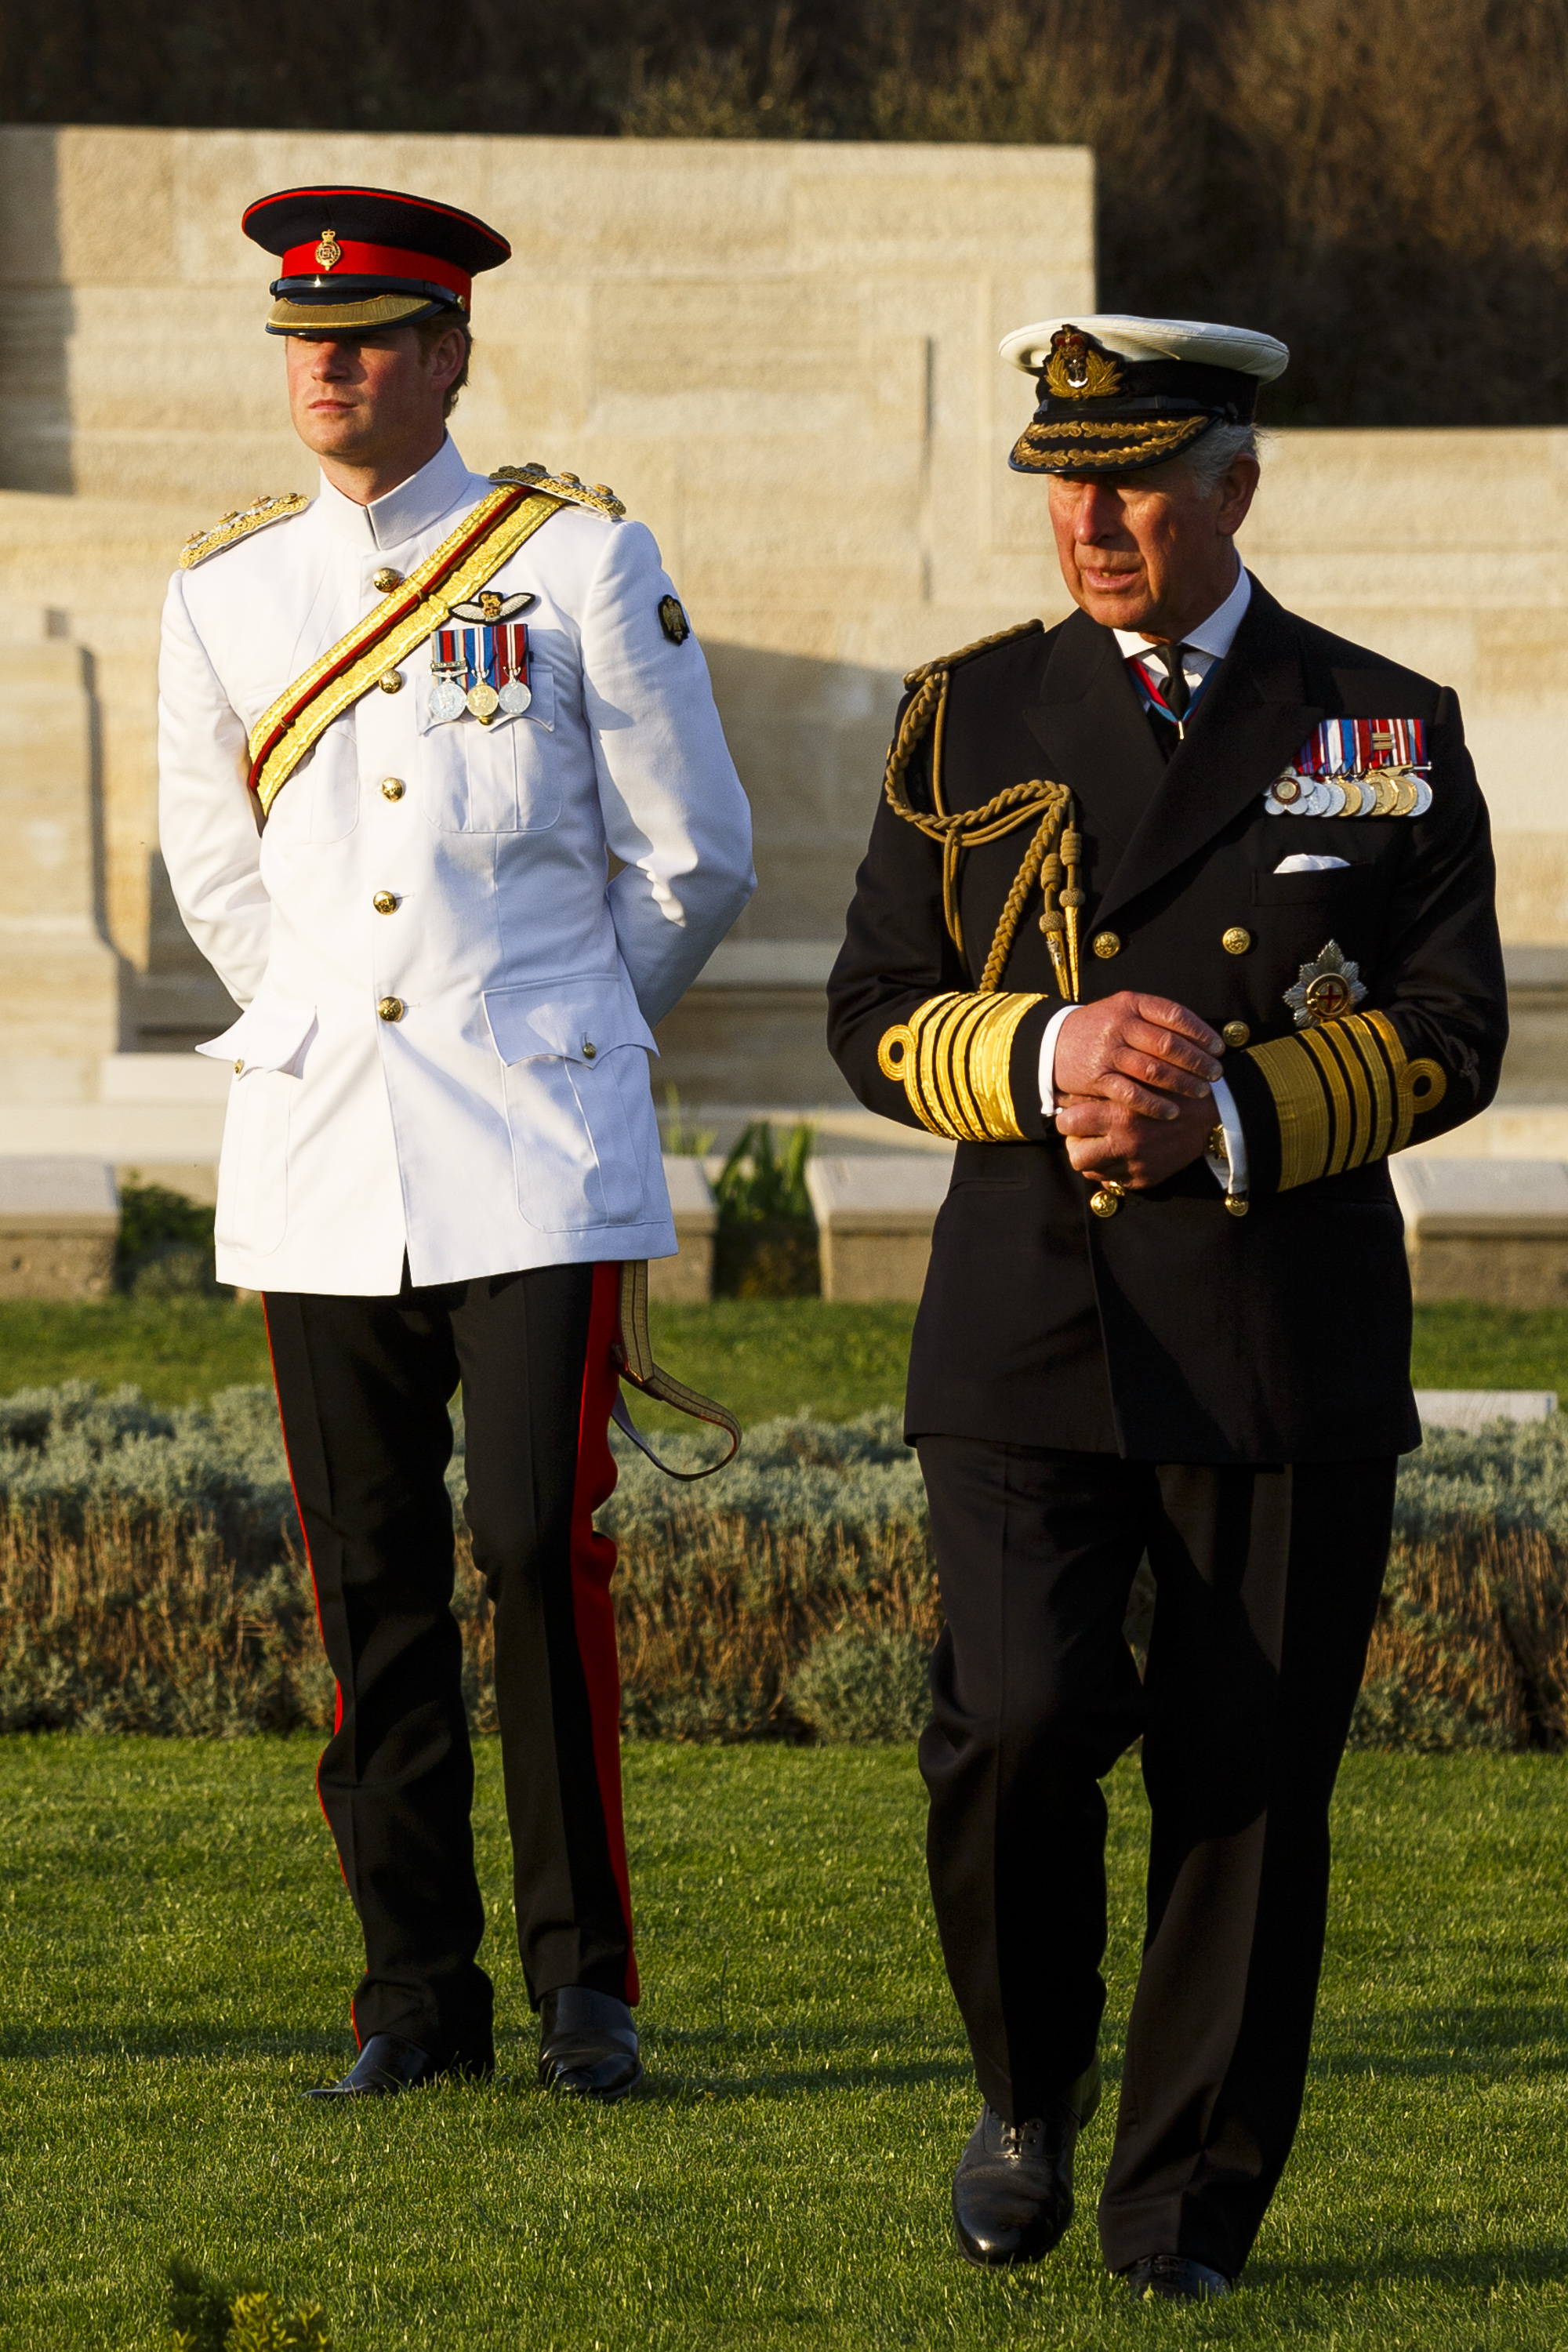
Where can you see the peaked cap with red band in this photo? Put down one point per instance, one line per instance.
(368, 258)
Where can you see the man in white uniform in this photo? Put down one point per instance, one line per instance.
(402, 726)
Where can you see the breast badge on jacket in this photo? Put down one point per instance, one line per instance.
(1357, 767)
(1326, 988)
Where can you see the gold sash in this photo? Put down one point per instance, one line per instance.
(468, 556)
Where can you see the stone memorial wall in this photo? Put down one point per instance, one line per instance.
(783, 357)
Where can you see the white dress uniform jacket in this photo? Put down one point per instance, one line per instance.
(506, 1120)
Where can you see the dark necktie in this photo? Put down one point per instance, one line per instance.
(1167, 659)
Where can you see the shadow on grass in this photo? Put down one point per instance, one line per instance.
(1478, 2040)
(1537, 2263)
(21, 2045)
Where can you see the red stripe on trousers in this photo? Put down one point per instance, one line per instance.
(593, 1565)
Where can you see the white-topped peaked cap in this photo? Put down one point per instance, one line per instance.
(1241, 348)
(1118, 392)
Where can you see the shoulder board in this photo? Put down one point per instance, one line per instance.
(967, 653)
(597, 496)
(238, 525)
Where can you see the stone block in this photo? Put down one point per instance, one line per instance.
(1494, 1230)
(1474, 1408)
(682, 1280)
(874, 1222)
(59, 1221)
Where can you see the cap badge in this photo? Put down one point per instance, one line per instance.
(1076, 371)
(329, 253)
(1326, 989)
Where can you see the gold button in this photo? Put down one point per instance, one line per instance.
(238, 1067)
(390, 681)
(386, 579)
(1107, 944)
(385, 902)
(1107, 1201)
(1236, 1032)
(589, 1049)
(391, 1008)
(1236, 942)
(393, 788)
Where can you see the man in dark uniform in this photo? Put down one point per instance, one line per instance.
(1178, 919)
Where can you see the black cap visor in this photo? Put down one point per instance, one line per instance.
(339, 306)
(1158, 410)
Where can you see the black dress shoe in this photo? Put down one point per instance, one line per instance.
(1174, 2278)
(388, 2065)
(587, 2045)
(1012, 2194)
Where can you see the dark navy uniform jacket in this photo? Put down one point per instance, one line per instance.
(1174, 1331)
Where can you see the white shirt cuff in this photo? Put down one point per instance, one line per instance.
(1231, 1179)
(1049, 1102)
(1234, 1178)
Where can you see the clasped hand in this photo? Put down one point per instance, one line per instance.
(1134, 1075)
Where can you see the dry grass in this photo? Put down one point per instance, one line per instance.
(143, 1621)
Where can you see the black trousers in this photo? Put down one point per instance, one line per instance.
(1268, 1585)
(363, 1387)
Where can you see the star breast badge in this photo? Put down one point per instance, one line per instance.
(1325, 989)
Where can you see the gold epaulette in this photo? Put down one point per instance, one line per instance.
(966, 653)
(239, 524)
(1343, 1094)
(1053, 855)
(954, 1058)
(597, 496)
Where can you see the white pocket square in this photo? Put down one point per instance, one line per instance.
(1309, 865)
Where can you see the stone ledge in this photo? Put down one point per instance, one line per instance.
(874, 1222)
(1492, 1229)
(59, 1223)
(1475, 1408)
(682, 1280)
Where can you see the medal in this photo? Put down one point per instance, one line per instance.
(511, 649)
(1357, 767)
(482, 670)
(447, 696)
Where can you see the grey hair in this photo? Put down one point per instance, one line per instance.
(1215, 452)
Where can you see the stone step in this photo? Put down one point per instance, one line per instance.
(59, 1223)
(1493, 1230)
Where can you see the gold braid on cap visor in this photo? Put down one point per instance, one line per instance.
(1344, 1093)
(1080, 443)
(953, 1054)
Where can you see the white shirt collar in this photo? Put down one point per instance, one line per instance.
(1213, 637)
(403, 513)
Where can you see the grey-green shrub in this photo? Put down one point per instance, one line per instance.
(863, 1686)
(152, 1579)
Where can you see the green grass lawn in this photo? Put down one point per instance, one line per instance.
(179, 1952)
(759, 1356)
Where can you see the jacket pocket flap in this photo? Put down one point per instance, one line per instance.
(269, 1036)
(576, 1020)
